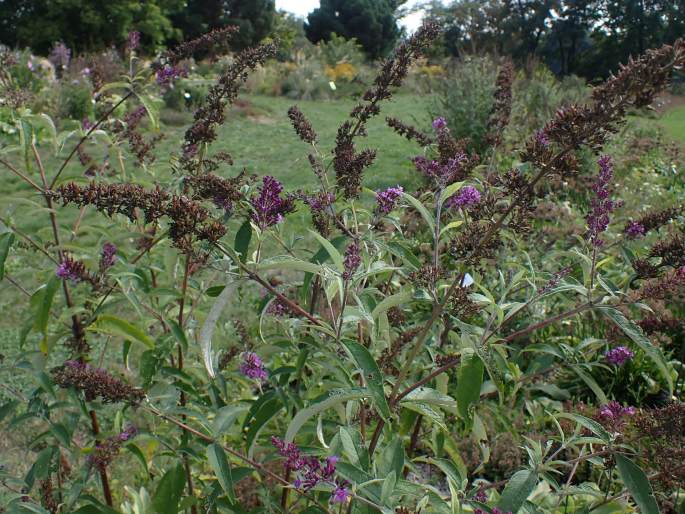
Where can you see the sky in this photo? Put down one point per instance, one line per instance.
(304, 7)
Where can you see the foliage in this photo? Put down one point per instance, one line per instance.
(84, 24)
(587, 37)
(372, 23)
(255, 19)
(464, 97)
(188, 343)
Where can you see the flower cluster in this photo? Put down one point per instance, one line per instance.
(139, 147)
(319, 205)
(467, 196)
(352, 260)
(555, 280)
(387, 200)
(439, 124)
(349, 164)
(95, 383)
(501, 107)
(619, 355)
(303, 127)
(213, 39)
(310, 470)
(60, 56)
(212, 113)
(105, 451)
(635, 230)
(652, 220)
(602, 206)
(108, 257)
(661, 434)
(189, 220)
(409, 132)
(167, 74)
(442, 173)
(541, 138)
(613, 415)
(133, 40)
(253, 367)
(494, 510)
(269, 206)
(71, 269)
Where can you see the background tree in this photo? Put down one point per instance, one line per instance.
(84, 24)
(372, 22)
(569, 37)
(255, 18)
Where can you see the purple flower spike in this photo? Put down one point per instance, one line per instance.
(340, 495)
(481, 496)
(466, 197)
(108, 257)
(253, 367)
(70, 269)
(133, 40)
(602, 206)
(444, 174)
(542, 138)
(635, 230)
(387, 200)
(129, 433)
(352, 260)
(167, 74)
(613, 414)
(618, 356)
(439, 124)
(269, 207)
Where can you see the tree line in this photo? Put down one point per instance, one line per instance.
(582, 37)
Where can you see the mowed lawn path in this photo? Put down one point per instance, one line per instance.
(673, 123)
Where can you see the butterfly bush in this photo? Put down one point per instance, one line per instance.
(436, 345)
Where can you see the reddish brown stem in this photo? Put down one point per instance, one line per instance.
(106, 491)
(549, 321)
(86, 136)
(182, 399)
(21, 175)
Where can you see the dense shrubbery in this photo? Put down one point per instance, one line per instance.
(485, 343)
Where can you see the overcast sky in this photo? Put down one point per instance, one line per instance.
(304, 7)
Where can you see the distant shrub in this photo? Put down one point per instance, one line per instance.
(464, 96)
(75, 100)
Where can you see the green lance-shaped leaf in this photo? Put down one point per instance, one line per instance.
(333, 253)
(637, 484)
(208, 327)
(113, 326)
(324, 402)
(6, 241)
(517, 490)
(242, 240)
(469, 381)
(372, 376)
(428, 218)
(44, 298)
(635, 333)
(449, 191)
(169, 491)
(588, 423)
(389, 302)
(222, 469)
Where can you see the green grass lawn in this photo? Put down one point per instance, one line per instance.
(265, 143)
(260, 139)
(673, 123)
